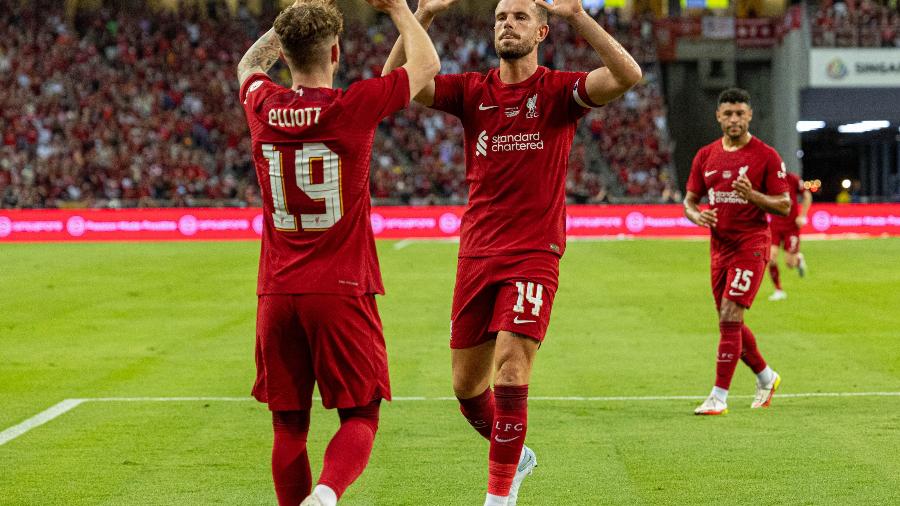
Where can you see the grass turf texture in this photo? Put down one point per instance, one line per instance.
(631, 319)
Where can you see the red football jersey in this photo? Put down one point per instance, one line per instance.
(312, 148)
(517, 141)
(795, 186)
(741, 225)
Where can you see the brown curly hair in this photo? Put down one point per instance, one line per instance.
(307, 29)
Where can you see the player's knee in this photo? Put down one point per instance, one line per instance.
(731, 312)
(368, 414)
(466, 387)
(511, 370)
(296, 422)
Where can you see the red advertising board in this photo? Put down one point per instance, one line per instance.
(398, 223)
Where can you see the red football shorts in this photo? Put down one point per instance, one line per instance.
(334, 341)
(511, 292)
(737, 277)
(787, 238)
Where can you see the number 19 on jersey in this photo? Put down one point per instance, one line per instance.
(327, 191)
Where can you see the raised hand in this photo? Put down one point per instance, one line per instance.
(742, 186)
(565, 9)
(434, 7)
(386, 5)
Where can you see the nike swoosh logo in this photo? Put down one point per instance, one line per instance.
(482, 107)
(517, 320)
(735, 294)
(500, 440)
(709, 173)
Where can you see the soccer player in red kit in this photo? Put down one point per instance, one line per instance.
(317, 321)
(786, 234)
(519, 121)
(743, 179)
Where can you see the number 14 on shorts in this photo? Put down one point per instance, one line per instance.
(533, 293)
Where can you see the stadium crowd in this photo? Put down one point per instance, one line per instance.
(856, 23)
(133, 107)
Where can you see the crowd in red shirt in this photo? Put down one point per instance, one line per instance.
(856, 23)
(123, 108)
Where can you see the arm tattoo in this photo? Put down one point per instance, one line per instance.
(262, 54)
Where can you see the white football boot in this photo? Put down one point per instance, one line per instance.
(764, 393)
(312, 500)
(778, 295)
(527, 463)
(712, 406)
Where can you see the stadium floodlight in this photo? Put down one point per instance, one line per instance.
(809, 126)
(863, 126)
(845, 184)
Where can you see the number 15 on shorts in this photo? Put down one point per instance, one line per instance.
(742, 279)
(533, 293)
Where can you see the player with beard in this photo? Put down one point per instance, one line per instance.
(519, 121)
(744, 179)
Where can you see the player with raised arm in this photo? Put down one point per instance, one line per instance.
(786, 234)
(317, 321)
(519, 121)
(744, 179)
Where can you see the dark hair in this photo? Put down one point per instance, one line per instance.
(734, 96)
(304, 29)
(540, 13)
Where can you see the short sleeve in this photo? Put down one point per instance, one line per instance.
(254, 91)
(372, 100)
(695, 183)
(448, 93)
(776, 175)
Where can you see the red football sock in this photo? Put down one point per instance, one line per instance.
(774, 274)
(479, 412)
(348, 452)
(749, 352)
(507, 437)
(729, 352)
(290, 462)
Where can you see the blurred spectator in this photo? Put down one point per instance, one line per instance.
(856, 23)
(128, 107)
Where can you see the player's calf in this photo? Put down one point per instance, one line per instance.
(507, 438)
(479, 412)
(290, 461)
(348, 452)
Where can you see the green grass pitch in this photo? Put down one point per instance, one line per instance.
(630, 319)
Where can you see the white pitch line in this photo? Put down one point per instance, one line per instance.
(169, 399)
(38, 419)
(403, 244)
(69, 404)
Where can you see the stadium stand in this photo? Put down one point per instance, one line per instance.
(123, 108)
(856, 23)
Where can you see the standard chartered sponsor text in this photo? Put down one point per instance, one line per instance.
(728, 198)
(517, 142)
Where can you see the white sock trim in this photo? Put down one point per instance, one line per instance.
(720, 393)
(326, 495)
(495, 500)
(765, 376)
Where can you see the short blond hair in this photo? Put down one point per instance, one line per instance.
(305, 30)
